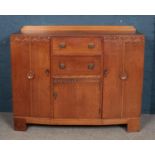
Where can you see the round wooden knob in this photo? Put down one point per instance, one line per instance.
(91, 66)
(30, 75)
(62, 66)
(105, 72)
(123, 76)
(91, 45)
(62, 45)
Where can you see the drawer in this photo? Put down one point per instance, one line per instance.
(76, 46)
(77, 65)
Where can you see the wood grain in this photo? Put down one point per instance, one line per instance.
(41, 84)
(69, 121)
(76, 65)
(105, 29)
(134, 66)
(112, 87)
(134, 125)
(73, 99)
(20, 61)
(20, 124)
(76, 46)
(77, 75)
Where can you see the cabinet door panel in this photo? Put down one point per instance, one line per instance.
(112, 87)
(123, 58)
(40, 65)
(77, 98)
(20, 67)
(134, 62)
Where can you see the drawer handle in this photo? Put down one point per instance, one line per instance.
(55, 94)
(123, 76)
(30, 75)
(62, 45)
(91, 45)
(47, 72)
(105, 72)
(91, 66)
(62, 66)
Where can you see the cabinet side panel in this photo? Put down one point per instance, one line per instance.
(112, 87)
(20, 68)
(134, 66)
(40, 65)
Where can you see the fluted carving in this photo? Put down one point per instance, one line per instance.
(126, 38)
(29, 38)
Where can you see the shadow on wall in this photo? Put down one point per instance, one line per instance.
(5, 75)
(152, 106)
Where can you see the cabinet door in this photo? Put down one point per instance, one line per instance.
(77, 98)
(134, 66)
(123, 65)
(112, 87)
(40, 85)
(31, 76)
(20, 60)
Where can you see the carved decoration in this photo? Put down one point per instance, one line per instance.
(73, 80)
(126, 38)
(40, 38)
(22, 38)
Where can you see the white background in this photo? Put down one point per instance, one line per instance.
(79, 7)
(76, 7)
(77, 147)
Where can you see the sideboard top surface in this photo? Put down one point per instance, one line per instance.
(78, 29)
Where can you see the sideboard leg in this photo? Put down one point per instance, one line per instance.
(20, 124)
(133, 125)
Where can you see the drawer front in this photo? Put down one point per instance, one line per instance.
(77, 65)
(76, 46)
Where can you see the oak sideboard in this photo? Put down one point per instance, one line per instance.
(77, 75)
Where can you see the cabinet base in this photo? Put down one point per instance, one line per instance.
(20, 123)
(133, 125)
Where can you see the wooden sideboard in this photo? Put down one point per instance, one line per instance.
(77, 75)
